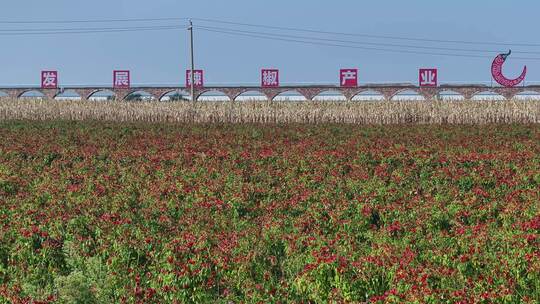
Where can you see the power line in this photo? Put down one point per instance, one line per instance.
(165, 27)
(390, 47)
(91, 31)
(366, 35)
(261, 36)
(83, 29)
(93, 21)
(360, 42)
(388, 37)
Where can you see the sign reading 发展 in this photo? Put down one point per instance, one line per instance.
(49, 79)
(427, 77)
(121, 80)
(348, 77)
(198, 78)
(269, 78)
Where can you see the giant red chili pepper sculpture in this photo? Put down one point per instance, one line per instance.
(496, 71)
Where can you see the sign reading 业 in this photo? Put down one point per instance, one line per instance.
(427, 77)
(348, 78)
(121, 80)
(49, 79)
(269, 78)
(198, 78)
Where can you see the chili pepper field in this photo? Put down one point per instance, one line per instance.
(95, 212)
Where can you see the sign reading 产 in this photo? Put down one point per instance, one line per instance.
(121, 80)
(348, 78)
(198, 78)
(427, 77)
(49, 79)
(269, 78)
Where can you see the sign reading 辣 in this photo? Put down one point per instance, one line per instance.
(121, 80)
(348, 78)
(269, 78)
(198, 78)
(49, 79)
(427, 78)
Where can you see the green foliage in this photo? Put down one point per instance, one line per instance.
(74, 288)
(120, 213)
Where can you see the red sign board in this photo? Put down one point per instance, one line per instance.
(427, 77)
(198, 78)
(269, 78)
(348, 77)
(49, 79)
(121, 80)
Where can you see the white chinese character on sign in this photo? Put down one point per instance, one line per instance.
(270, 78)
(121, 79)
(346, 76)
(197, 78)
(49, 79)
(428, 77)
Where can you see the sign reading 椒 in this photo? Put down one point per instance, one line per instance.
(121, 80)
(427, 77)
(348, 77)
(269, 78)
(198, 78)
(49, 79)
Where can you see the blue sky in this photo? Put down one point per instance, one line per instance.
(162, 57)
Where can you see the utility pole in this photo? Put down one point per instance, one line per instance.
(190, 29)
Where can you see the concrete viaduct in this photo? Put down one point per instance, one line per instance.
(388, 91)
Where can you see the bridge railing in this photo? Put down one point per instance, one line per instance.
(387, 90)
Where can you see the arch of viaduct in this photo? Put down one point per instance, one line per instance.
(308, 92)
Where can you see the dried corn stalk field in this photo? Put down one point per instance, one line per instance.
(373, 112)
